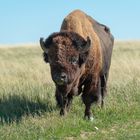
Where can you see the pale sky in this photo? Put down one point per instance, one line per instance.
(25, 21)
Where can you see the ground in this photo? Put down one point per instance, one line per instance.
(27, 103)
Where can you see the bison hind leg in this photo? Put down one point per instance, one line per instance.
(103, 87)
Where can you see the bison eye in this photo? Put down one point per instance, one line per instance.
(73, 60)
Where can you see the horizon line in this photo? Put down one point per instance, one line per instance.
(37, 43)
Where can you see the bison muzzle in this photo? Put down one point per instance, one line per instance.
(79, 57)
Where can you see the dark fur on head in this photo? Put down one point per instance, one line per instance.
(76, 39)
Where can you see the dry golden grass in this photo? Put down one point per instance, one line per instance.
(27, 104)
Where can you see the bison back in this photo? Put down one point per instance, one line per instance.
(106, 41)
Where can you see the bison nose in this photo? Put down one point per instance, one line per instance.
(60, 79)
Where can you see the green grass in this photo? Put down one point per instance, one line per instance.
(27, 103)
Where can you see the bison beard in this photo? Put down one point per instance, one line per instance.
(79, 57)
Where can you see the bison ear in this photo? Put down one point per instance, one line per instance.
(43, 46)
(84, 52)
(45, 49)
(45, 55)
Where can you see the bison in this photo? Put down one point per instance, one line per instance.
(79, 57)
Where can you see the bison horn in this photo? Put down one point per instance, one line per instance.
(42, 44)
(88, 42)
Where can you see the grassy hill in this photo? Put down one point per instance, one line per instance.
(27, 103)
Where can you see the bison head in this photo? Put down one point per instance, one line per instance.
(66, 52)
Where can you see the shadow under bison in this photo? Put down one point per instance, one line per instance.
(14, 107)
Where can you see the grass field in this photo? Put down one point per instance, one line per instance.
(27, 103)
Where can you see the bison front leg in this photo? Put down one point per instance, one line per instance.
(63, 107)
(63, 102)
(69, 102)
(91, 94)
(87, 100)
(66, 105)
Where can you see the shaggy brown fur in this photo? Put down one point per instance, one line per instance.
(79, 57)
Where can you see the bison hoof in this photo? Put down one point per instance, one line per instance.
(90, 118)
(62, 112)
